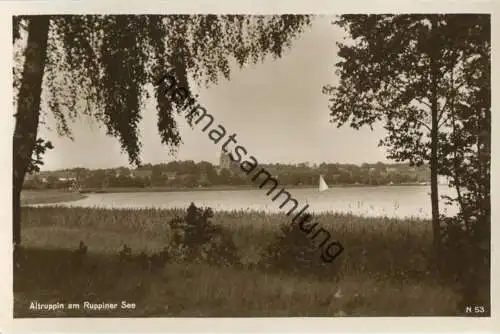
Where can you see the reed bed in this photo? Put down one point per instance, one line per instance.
(381, 246)
(384, 269)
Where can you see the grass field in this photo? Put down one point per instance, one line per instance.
(48, 196)
(384, 270)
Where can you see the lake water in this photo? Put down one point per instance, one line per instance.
(390, 201)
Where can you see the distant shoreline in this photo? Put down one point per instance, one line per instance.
(223, 188)
(53, 196)
(49, 196)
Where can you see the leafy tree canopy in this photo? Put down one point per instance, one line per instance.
(100, 65)
(385, 75)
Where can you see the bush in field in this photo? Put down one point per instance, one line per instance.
(466, 257)
(196, 238)
(293, 251)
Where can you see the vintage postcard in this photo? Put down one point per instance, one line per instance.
(214, 167)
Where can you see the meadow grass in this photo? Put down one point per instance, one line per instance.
(384, 270)
(49, 196)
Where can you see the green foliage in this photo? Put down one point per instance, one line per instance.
(468, 155)
(398, 71)
(196, 238)
(292, 251)
(41, 146)
(385, 76)
(466, 256)
(102, 65)
(185, 174)
(466, 151)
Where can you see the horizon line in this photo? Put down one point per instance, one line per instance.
(311, 164)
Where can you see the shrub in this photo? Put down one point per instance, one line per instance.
(294, 252)
(466, 257)
(196, 238)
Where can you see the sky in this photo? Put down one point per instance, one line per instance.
(276, 109)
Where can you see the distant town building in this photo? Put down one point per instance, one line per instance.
(123, 172)
(225, 161)
(169, 175)
(65, 176)
(32, 176)
(142, 173)
(36, 176)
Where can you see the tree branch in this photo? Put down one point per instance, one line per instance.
(424, 124)
(441, 112)
(400, 82)
(452, 70)
(382, 108)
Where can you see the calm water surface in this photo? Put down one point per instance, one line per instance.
(390, 201)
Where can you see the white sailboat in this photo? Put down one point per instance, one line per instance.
(322, 184)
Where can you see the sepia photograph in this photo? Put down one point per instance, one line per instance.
(250, 165)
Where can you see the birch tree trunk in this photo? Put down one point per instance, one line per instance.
(28, 111)
(434, 54)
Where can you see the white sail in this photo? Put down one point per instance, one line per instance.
(322, 184)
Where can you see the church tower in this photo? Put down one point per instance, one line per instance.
(224, 161)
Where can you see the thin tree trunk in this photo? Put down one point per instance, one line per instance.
(28, 111)
(434, 54)
(456, 158)
(483, 226)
